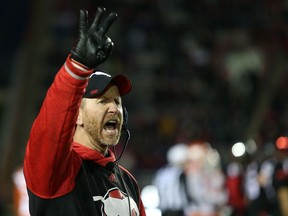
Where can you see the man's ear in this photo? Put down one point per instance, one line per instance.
(79, 118)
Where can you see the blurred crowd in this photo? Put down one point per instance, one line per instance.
(195, 183)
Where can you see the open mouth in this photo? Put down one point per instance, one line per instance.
(111, 125)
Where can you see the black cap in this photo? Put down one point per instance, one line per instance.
(100, 80)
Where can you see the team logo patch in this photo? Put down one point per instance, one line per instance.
(116, 203)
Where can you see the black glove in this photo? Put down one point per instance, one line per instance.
(93, 47)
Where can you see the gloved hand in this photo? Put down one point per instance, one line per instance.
(93, 46)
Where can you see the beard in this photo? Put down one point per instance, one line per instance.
(97, 133)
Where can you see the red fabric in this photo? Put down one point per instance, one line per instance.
(49, 160)
(236, 196)
(92, 155)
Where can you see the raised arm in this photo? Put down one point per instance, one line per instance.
(50, 165)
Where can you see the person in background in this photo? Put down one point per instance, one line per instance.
(258, 189)
(235, 189)
(69, 167)
(170, 182)
(280, 182)
(205, 180)
(20, 195)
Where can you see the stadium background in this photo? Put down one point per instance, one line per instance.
(213, 70)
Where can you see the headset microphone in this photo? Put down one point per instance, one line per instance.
(110, 165)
